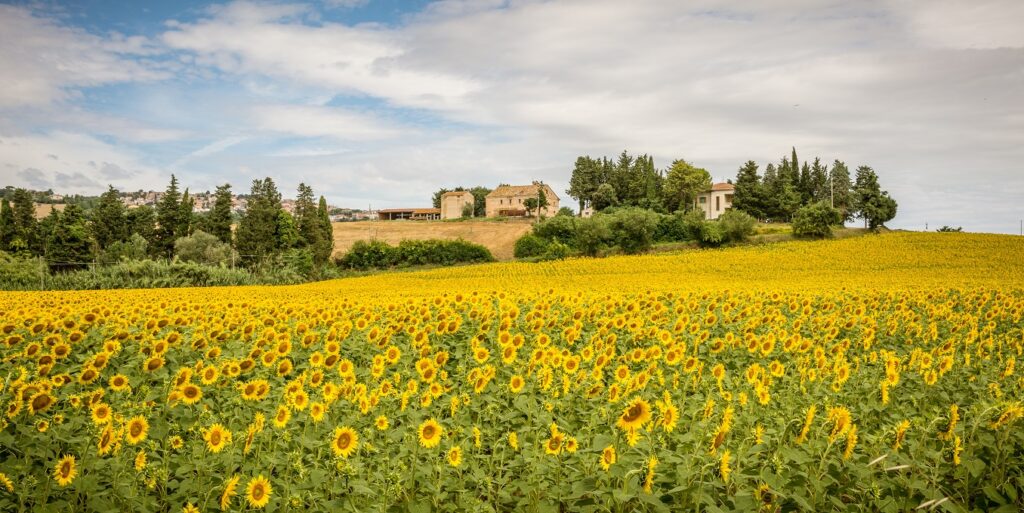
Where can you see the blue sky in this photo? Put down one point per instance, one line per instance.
(380, 102)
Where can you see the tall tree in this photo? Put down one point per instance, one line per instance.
(218, 222)
(542, 198)
(305, 216)
(326, 245)
(258, 237)
(68, 247)
(585, 179)
(142, 222)
(682, 185)
(6, 225)
(840, 190)
(168, 220)
(479, 200)
(26, 230)
(186, 219)
(749, 196)
(771, 188)
(873, 204)
(794, 169)
(817, 184)
(109, 219)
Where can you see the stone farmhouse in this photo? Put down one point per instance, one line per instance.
(507, 200)
(453, 203)
(716, 200)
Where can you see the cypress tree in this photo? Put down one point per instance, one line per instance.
(6, 225)
(840, 194)
(748, 195)
(68, 247)
(219, 220)
(257, 237)
(306, 223)
(109, 221)
(168, 213)
(326, 247)
(25, 236)
(185, 216)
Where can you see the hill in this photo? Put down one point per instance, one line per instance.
(497, 236)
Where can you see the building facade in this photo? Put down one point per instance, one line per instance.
(508, 200)
(716, 201)
(453, 203)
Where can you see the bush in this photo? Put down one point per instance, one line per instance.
(815, 221)
(633, 229)
(736, 225)
(566, 211)
(368, 255)
(593, 235)
(556, 251)
(379, 255)
(711, 234)
(530, 246)
(20, 273)
(693, 223)
(560, 228)
(135, 248)
(202, 248)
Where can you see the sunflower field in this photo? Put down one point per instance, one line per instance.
(872, 374)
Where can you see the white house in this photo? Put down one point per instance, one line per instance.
(715, 201)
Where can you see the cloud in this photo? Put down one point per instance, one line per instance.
(43, 61)
(316, 121)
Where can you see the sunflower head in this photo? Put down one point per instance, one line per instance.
(430, 433)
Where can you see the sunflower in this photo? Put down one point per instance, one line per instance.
(106, 441)
(153, 364)
(100, 413)
(381, 423)
(430, 433)
(40, 402)
(317, 411)
(345, 440)
(515, 384)
(119, 383)
(229, 492)
(553, 445)
(138, 427)
(190, 508)
(282, 416)
(6, 482)
(608, 457)
(258, 492)
(216, 438)
(191, 394)
(140, 460)
(635, 415)
(176, 442)
(513, 441)
(455, 456)
(65, 470)
(723, 467)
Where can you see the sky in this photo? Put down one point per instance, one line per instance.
(380, 102)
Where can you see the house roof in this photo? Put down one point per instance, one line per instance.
(457, 193)
(723, 187)
(504, 191)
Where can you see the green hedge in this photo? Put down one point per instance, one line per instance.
(380, 255)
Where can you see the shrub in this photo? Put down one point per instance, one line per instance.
(693, 225)
(633, 229)
(556, 251)
(368, 255)
(202, 248)
(566, 211)
(560, 228)
(135, 248)
(736, 225)
(530, 246)
(815, 221)
(380, 255)
(711, 234)
(20, 273)
(593, 235)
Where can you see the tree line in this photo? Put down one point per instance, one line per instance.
(110, 232)
(777, 195)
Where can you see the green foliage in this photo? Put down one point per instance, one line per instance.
(258, 237)
(631, 181)
(218, 221)
(20, 273)
(186, 217)
(565, 211)
(558, 228)
(736, 225)
(633, 229)
(168, 221)
(605, 197)
(135, 248)
(203, 248)
(593, 235)
(109, 220)
(556, 251)
(682, 185)
(142, 221)
(20, 233)
(6, 225)
(749, 193)
(530, 246)
(950, 229)
(467, 211)
(69, 247)
(815, 221)
(871, 203)
(380, 255)
(325, 246)
(531, 205)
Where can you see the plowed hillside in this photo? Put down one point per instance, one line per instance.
(499, 237)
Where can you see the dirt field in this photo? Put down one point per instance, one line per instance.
(499, 237)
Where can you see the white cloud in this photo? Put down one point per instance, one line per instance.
(315, 121)
(41, 59)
